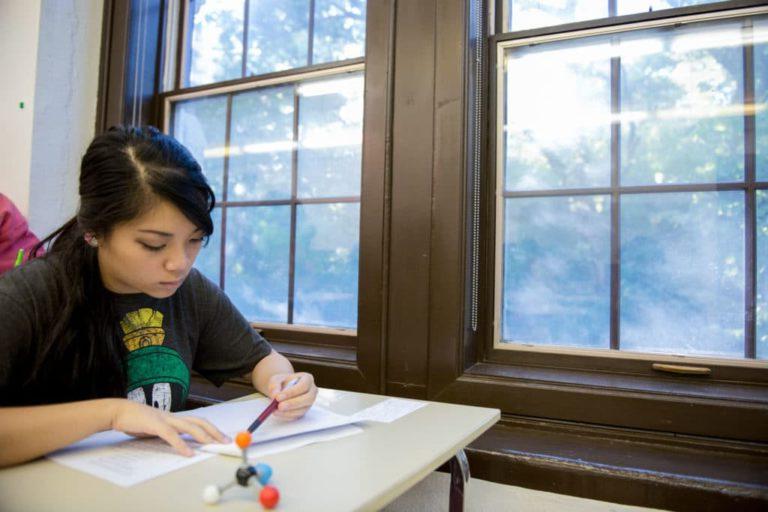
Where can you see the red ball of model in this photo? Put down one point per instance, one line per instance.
(269, 496)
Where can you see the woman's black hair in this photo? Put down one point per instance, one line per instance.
(123, 173)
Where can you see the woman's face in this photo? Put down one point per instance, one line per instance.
(150, 254)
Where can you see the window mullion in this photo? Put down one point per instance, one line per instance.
(615, 202)
(246, 22)
(224, 186)
(294, 206)
(750, 210)
(311, 32)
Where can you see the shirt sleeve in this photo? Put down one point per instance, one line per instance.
(22, 291)
(228, 346)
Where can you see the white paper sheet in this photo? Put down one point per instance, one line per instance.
(124, 460)
(233, 417)
(388, 410)
(258, 450)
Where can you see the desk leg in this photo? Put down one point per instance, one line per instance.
(459, 475)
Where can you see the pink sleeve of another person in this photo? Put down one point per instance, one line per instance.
(14, 234)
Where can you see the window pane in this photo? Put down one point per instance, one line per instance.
(201, 126)
(277, 35)
(557, 271)
(327, 247)
(762, 275)
(682, 273)
(209, 259)
(760, 37)
(215, 51)
(339, 30)
(634, 6)
(256, 274)
(261, 145)
(525, 14)
(330, 137)
(556, 136)
(682, 105)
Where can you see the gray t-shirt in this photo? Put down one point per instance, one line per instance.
(197, 328)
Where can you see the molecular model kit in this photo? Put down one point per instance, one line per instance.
(245, 474)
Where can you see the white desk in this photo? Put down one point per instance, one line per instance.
(361, 472)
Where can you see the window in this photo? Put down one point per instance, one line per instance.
(528, 14)
(630, 201)
(611, 142)
(272, 108)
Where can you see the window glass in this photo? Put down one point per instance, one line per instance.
(330, 137)
(261, 144)
(209, 258)
(201, 126)
(635, 6)
(760, 39)
(761, 284)
(215, 41)
(327, 247)
(682, 273)
(682, 96)
(339, 31)
(257, 261)
(557, 271)
(649, 122)
(529, 14)
(283, 153)
(557, 137)
(526, 14)
(277, 35)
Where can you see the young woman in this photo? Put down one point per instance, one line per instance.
(102, 332)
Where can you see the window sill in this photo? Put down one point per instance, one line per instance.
(678, 405)
(623, 466)
(688, 386)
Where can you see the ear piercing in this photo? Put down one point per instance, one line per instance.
(90, 239)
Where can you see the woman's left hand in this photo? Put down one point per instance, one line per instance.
(294, 400)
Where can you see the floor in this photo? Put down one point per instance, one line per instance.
(431, 494)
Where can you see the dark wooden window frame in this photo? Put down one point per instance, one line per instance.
(620, 390)
(333, 337)
(749, 186)
(133, 42)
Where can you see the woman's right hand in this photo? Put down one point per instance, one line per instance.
(142, 420)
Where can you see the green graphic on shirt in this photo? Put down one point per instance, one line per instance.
(156, 364)
(156, 375)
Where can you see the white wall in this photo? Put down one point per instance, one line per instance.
(19, 28)
(49, 57)
(66, 90)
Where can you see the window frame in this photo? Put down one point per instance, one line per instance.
(141, 44)
(571, 384)
(332, 336)
(749, 185)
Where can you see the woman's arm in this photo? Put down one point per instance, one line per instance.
(270, 376)
(29, 432)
